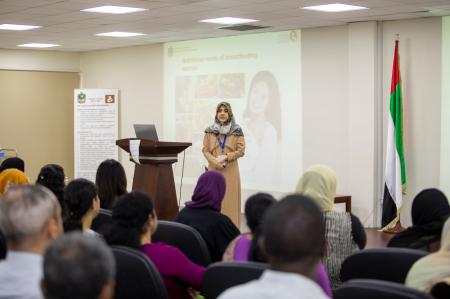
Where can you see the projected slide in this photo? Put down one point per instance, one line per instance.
(259, 75)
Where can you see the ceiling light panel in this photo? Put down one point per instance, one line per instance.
(17, 27)
(228, 21)
(335, 7)
(113, 9)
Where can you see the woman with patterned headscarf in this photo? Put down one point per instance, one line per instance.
(223, 144)
(344, 232)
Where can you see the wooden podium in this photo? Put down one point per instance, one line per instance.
(154, 174)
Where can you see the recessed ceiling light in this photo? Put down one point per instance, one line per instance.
(17, 27)
(113, 9)
(37, 45)
(120, 34)
(228, 21)
(335, 7)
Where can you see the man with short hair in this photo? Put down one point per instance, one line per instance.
(294, 241)
(78, 266)
(30, 218)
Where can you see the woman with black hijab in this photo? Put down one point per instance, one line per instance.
(430, 210)
(13, 162)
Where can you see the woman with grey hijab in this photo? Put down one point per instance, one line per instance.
(223, 144)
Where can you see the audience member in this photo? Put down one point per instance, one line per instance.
(203, 214)
(12, 177)
(134, 222)
(82, 205)
(433, 267)
(76, 266)
(13, 163)
(294, 241)
(441, 290)
(245, 246)
(344, 232)
(111, 183)
(429, 211)
(52, 176)
(30, 218)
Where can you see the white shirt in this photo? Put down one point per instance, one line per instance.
(20, 276)
(276, 284)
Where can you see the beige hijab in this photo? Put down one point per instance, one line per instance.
(434, 267)
(319, 183)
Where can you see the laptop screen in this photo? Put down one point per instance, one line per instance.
(146, 132)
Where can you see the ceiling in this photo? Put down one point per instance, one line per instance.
(172, 20)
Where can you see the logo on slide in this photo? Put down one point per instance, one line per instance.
(109, 99)
(81, 98)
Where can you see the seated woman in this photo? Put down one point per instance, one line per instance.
(429, 211)
(432, 268)
(203, 214)
(344, 232)
(134, 222)
(255, 208)
(12, 176)
(52, 176)
(111, 183)
(82, 205)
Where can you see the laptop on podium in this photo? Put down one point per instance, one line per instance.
(146, 132)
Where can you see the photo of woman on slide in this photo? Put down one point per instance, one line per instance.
(223, 145)
(262, 126)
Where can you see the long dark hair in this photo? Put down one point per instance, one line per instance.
(52, 176)
(111, 182)
(129, 216)
(255, 209)
(79, 196)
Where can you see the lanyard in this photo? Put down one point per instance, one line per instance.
(222, 144)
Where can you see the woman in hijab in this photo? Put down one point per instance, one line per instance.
(430, 209)
(14, 162)
(203, 214)
(223, 144)
(433, 268)
(10, 177)
(344, 232)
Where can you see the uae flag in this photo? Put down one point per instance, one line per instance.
(395, 175)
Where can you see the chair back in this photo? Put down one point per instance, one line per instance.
(390, 264)
(136, 276)
(3, 248)
(185, 238)
(103, 219)
(224, 275)
(377, 289)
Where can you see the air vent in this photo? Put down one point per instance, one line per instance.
(244, 27)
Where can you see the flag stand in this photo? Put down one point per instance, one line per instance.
(397, 228)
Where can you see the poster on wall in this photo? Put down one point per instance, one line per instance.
(96, 125)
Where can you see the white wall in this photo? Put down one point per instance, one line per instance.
(33, 60)
(138, 73)
(420, 66)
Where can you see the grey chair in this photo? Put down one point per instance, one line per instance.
(390, 264)
(136, 276)
(224, 275)
(185, 238)
(377, 289)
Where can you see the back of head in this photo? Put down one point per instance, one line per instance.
(255, 208)
(24, 211)
(293, 231)
(13, 162)
(430, 205)
(209, 191)
(11, 177)
(319, 183)
(52, 176)
(129, 216)
(78, 197)
(78, 266)
(111, 182)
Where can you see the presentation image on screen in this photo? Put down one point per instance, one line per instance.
(260, 76)
(445, 114)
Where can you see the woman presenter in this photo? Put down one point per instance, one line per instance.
(223, 144)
